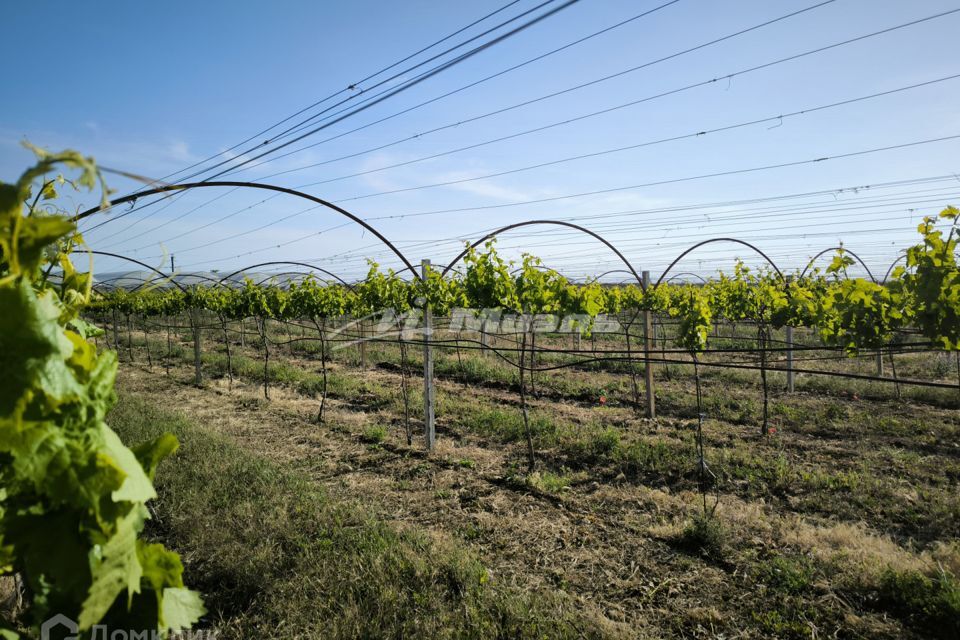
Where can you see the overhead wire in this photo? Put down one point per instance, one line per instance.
(408, 84)
(351, 88)
(699, 132)
(405, 86)
(702, 83)
(554, 94)
(827, 206)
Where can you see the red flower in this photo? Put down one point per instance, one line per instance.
(603, 399)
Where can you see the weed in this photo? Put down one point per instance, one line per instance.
(932, 604)
(374, 434)
(549, 481)
(704, 535)
(788, 574)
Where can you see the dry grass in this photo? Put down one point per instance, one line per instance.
(603, 536)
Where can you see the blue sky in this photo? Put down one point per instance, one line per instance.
(151, 89)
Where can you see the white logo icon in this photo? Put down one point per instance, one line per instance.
(59, 620)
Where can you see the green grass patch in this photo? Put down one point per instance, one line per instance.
(704, 535)
(930, 604)
(277, 558)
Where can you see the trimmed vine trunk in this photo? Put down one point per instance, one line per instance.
(531, 455)
(663, 348)
(893, 369)
(762, 336)
(116, 333)
(704, 474)
(195, 326)
(407, 427)
(533, 361)
(226, 342)
(262, 330)
(633, 369)
(166, 364)
(362, 345)
(129, 339)
(483, 337)
(323, 366)
(463, 373)
(146, 342)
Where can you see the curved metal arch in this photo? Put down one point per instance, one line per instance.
(253, 185)
(845, 250)
(124, 277)
(171, 277)
(559, 223)
(612, 271)
(688, 273)
(298, 264)
(108, 281)
(711, 240)
(399, 271)
(892, 265)
(270, 276)
(542, 267)
(142, 264)
(194, 275)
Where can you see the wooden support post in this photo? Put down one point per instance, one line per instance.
(428, 390)
(879, 363)
(647, 348)
(789, 359)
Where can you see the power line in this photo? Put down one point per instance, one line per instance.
(406, 85)
(822, 207)
(680, 180)
(459, 239)
(538, 99)
(703, 176)
(174, 196)
(354, 86)
(834, 193)
(695, 134)
(551, 236)
(549, 53)
(670, 92)
(698, 133)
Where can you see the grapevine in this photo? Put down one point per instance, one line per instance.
(72, 496)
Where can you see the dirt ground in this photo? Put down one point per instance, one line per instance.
(613, 543)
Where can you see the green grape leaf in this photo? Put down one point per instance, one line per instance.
(161, 568)
(85, 329)
(119, 568)
(54, 547)
(182, 608)
(151, 453)
(136, 485)
(33, 348)
(37, 233)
